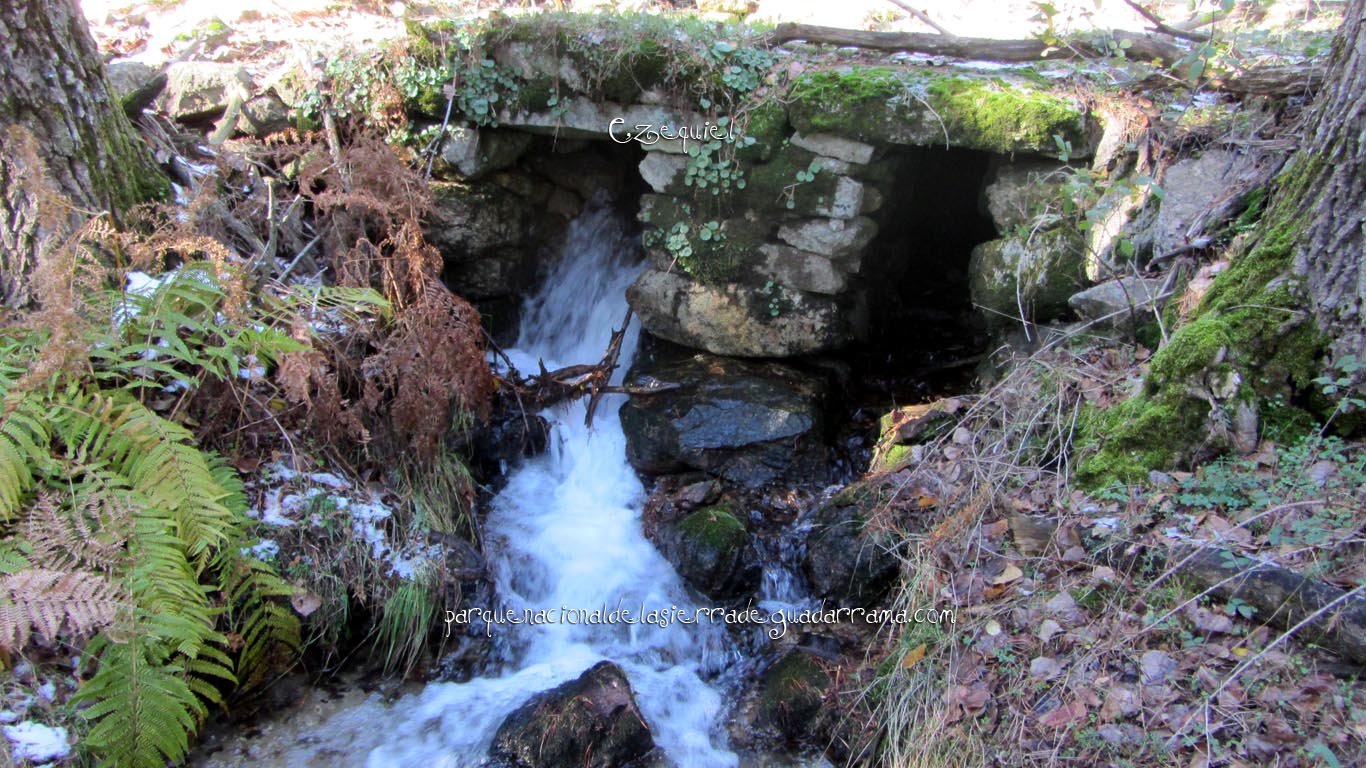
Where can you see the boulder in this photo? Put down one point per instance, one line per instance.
(748, 422)
(202, 90)
(843, 563)
(1194, 187)
(1122, 303)
(262, 115)
(1019, 193)
(592, 722)
(1032, 276)
(736, 319)
(135, 84)
(794, 691)
(711, 550)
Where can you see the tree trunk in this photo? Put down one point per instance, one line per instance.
(1329, 254)
(67, 151)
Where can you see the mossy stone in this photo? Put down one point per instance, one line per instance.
(794, 689)
(882, 104)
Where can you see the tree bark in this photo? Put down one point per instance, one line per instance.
(1329, 254)
(67, 150)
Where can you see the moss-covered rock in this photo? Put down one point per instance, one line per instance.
(765, 123)
(843, 562)
(888, 105)
(794, 689)
(799, 181)
(711, 551)
(714, 251)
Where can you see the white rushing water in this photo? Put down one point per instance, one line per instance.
(565, 534)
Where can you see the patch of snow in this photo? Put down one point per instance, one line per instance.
(36, 742)
(48, 690)
(413, 560)
(1108, 523)
(370, 533)
(273, 511)
(373, 511)
(8, 716)
(253, 370)
(330, 480)
(265, 549)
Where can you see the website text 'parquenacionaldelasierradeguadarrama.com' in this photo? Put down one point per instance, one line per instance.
(777, 620)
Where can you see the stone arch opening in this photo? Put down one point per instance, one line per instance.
(922, 333)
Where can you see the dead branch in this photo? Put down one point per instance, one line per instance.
(922, 16)
(573, 381)
(1319, 611)
(1165, 28)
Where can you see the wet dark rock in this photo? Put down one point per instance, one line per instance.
(712, 551)
(592, 722)
(794, 689)
(746, 422)
(507, 440)
(844, 564)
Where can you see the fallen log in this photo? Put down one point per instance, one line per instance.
(1283, 598)
(1278, 81)
(1143, 47)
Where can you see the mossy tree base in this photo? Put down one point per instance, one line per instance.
(1288, 309)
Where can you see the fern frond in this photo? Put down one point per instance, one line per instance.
(90, 531)
(49, 602)
(24, 440)
(142, 707)
(264, 626)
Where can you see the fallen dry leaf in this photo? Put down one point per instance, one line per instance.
(1011, 573)
(912, 656)
(305, 602)
(1064, 716)
(1048, 629)
(1206, 620)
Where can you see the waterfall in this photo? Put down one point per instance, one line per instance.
(565, 533)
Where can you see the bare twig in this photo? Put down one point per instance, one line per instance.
(1164, 27)
(922, 16)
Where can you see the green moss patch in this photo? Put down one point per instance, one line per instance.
(716, 528)
(1252, 323)
(888, 105)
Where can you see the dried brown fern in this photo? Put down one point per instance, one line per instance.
(90, 536)
(47, 603)
(430, 372)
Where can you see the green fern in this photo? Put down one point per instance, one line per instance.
(204, 617)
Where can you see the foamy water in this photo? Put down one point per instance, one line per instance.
(565, 534)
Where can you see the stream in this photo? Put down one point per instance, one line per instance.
(563, 535)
